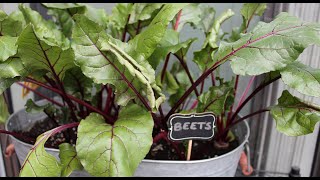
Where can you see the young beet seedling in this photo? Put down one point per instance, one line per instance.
(111, 113)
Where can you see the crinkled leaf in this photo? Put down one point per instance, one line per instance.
(212, 38)
(216, 99)
(7, 47)
(9, 25)
(294, 117)
(36, 54)
(190, 14)
(302, 78)
(12, 67)
(63, 13)
(47, 30)
(204, 57)
(270, 46)
(63, 18)
(97, 15)
(206, 18)
(69, 159)
(18, 16)
(103, 55)
(143, 11)
(115, 150)
(38, 162)
(4, 113)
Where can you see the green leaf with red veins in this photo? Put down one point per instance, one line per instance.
(36, 54)
(69, 159)
(126, 64)
(47, 30)
(270, 46)
(104, 54)
(115, 150)
(38, 162)
(63, 12)
(293, 116)
(144, 44)
(302, 78)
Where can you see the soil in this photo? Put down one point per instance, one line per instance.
(161, 150)
(200, 150)
(53, 141)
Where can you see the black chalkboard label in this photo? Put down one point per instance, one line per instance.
(191, 126)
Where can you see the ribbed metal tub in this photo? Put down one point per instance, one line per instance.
(224, 165)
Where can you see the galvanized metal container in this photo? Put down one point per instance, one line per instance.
(224, 165)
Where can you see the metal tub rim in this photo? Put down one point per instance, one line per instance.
(241, 145)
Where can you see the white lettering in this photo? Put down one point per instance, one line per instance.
(186, 126)
(177, 127)
(201, 124)
(193, 126)
(208, 126)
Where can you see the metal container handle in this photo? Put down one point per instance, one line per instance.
(247, 148)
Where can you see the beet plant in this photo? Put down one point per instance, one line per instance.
(119, 77)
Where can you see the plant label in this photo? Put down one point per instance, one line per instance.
(191, 126)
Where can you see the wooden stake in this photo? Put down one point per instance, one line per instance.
(189, 150)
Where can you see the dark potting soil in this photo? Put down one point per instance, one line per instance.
(55, 140)
(159, 151)
(200, 150)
